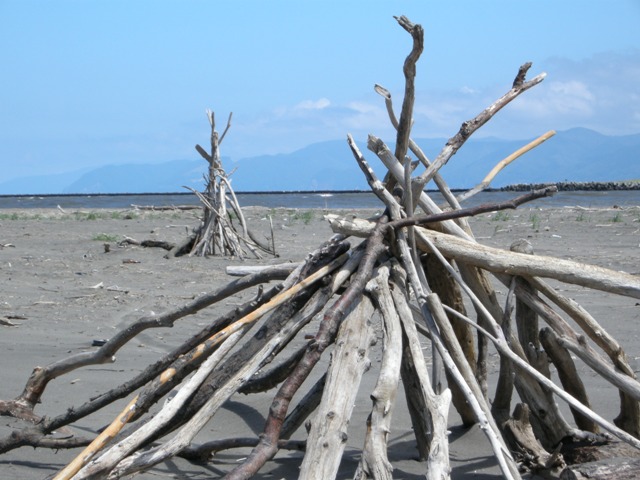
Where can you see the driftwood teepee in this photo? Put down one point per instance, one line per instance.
(217, 234)
(415, 274)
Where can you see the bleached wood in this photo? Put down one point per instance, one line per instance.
(374, 462)
(504, 163)
(378, 147)
(244, 270)
(125, 416)
(417, 151)
(569, 377)
(503, 261)
(349, 360)
(438, 405)
(589, 325)
(470, 126)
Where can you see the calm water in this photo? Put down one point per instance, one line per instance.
(333, 200)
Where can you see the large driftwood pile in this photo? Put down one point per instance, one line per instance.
(413, 273)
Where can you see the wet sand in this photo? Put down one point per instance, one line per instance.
(62, 291)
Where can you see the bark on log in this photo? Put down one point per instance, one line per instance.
(443, 284)
(569, 377)
(611, 469)
(526, 319)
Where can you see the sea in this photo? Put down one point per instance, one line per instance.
(309, 200)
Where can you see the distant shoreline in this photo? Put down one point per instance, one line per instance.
(518, 187)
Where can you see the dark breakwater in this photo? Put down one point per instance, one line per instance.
(576, 186)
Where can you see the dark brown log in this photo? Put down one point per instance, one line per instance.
(416, 403)
(202, 453)
(449, 292)
(526, 318)
(521, 439)
(569, 377)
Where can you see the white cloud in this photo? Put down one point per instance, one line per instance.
(601, 93)
(467, 90)
(571, 98)
(320, 104)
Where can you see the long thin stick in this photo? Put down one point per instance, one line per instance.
(502, 164)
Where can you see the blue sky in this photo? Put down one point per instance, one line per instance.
(87, 83)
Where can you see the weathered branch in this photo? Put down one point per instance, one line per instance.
(416, 150)
(409, 69)
(470, 126)
(502, 164)
(501, 345)
(349, 360)
(374, 462)
(501, 261)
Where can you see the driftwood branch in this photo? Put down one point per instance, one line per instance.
(409, 69)
(486, 181)
(470, 126)
(496, 260)
(374, 462)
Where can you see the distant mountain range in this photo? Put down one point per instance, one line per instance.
(576, 155)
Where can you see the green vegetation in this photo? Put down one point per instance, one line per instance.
(582, 217)
(617, 218)
(306, 216)
(82, 216)
(297, 215)
(20, 216)
(116, 215)
(9, 216)
(534, 218)
(500, 216)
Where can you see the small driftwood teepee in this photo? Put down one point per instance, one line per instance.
(217, 233)
(413, 276)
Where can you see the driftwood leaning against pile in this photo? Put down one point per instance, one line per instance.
(412, 273)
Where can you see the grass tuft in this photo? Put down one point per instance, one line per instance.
(103, 237)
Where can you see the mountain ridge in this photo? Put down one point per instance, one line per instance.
(576, 155)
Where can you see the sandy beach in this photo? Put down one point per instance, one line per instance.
(60, 290)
